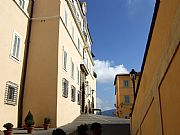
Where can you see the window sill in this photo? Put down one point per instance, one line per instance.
(72, 100)
(127, 103)
(14, 59)
(10, 103)
(65, 69)
(65, 96)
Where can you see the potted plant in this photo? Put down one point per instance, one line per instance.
(47, 122)
(29, 121)
(8, 127)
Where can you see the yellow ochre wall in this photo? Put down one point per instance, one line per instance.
(157, 107)
(124, 109)
(40, 95)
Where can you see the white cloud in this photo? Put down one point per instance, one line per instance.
(106, 72)
(103, 105)
(99, 102)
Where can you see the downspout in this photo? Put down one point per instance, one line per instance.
(24, 68)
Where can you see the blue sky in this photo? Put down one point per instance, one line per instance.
(119, 29)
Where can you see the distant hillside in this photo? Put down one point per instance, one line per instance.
(111, 112)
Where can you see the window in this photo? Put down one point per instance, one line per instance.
(90, 67)
(80, 48)
(127, 99)
(72, 69)
(65, 88)
(86, 58)
(89, 90)
(79, 44)
(78, 76)
(15, 51)
(126, 83)
(72, 32)
(66, 18)
(65, 60)
(73, 93)
(11, 93)
(84, 26)
(22, 3)
(78, 98)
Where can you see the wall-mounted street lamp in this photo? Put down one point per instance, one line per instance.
(133, 74)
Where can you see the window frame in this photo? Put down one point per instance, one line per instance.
(73, 93)
(79, 44)
(65, 59)
(127, 98)
(10, 86)
(126, 83)
(65, 85)
(78, 97)
(22, 3)
(65, 18)
(78, 76)
(72, 34)
(72, 69)
(15, 53)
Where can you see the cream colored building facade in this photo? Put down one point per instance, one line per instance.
(124, 94)
(14, 27)
(57, 78)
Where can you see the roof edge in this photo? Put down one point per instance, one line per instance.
(156, 8)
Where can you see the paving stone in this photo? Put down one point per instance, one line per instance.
(109, 125)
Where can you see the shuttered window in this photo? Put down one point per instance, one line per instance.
(127, 99)
(78, 76)
(73, 93)
(72, 69)
(72, 32)
(22, 3)
(126, 83)
(66, 18)
(15, 51)
(65, 60)
(78, 98)
(11, 93)
(65, 88)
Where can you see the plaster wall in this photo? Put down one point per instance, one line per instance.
(157, 99)
(40, 96)
(124, 109)
(11, 69)
(68, 110)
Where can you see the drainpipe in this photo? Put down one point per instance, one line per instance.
(24, 68)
